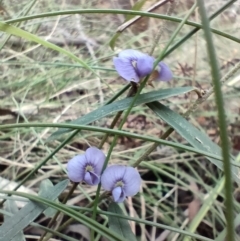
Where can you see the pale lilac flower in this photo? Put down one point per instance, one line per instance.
(122, 181)
(86, 167)
(132, 65)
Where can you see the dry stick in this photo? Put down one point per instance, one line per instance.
(133, 20)
(131, 93)
(161, 29)
(114, 122)
(192, 109)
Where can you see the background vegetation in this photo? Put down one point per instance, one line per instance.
(64, 70)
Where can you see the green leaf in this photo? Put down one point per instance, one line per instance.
(222, 122)
(135, 13)
(69, 211)
(11, 207)
(122, 105)
(113, 40)
(195, 137)
(7, 28)
(12, 226)
(119, 225)
(44, 186)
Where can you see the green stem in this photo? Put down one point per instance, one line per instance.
(222, 121)
(44, 161)
(9, 36)
(118, 115)
(162, 27)
(191, 33)
(52, 221)
(170, 130)
(87, 221)
(130, 12)
(119, 133)
(131, 93)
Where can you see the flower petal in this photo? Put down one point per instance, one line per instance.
(75, 168)
(118, 194)
(91, 178)
(125, 69)
(111, 176)
(132, 181)
(145, 66)
(165, 74)
(96, 158)
(131, 54)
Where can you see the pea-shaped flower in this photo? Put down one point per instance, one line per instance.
(132, 65)
(122, 181)
(86, 167)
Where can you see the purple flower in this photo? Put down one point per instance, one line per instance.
(86, 167)
(133, 65)
(122, 181)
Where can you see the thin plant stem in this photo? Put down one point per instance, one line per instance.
(135, 19)
(113, 145)
(52, 221)
(191, 33)
(132, 92)
(199, 101)
(163, 25)
(191, 110)
(119, 133)
(114, 122)
(222, 120)
(152, 148)
(44, 161)
(74, 186)
(66, 223)
(17, 24)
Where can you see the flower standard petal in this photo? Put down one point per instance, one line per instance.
(132, 64)
(165, 74)
(96, 158)
(75, 168)
(144, 66)
(125, 69)
(132, 181)
(131, 54)
(111, 176)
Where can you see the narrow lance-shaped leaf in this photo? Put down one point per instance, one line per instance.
(122, 105)
(119, 225)
(31, 37)
(12, 226)
(195, 137)
(44, 186)
(11, 207)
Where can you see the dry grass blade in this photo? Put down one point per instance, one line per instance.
(135, 19)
